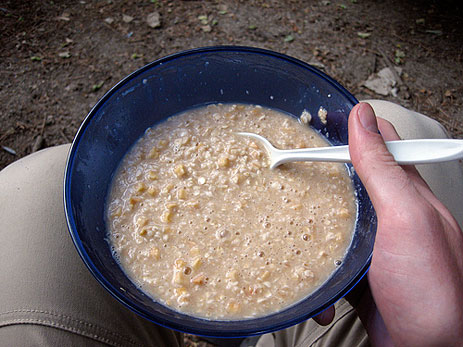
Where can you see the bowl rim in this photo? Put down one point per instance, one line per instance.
(70, 219)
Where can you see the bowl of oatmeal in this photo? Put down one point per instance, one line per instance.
(182, 220)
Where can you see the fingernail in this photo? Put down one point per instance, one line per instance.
(367, 118)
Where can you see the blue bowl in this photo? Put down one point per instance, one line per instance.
(177, 83)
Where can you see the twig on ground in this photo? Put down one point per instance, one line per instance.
(63, 135)
(37, 144)
(9, 150)
(8, 72)
(39, 139)
(7, 133)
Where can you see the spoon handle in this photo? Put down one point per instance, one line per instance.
(405, 152)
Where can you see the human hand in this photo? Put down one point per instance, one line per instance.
(413, 294)
(416, 273)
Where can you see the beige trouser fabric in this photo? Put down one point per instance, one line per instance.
(445, 179)
(48, 297)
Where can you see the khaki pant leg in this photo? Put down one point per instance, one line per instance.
(445, 180)
(346, 330)
(47, 295)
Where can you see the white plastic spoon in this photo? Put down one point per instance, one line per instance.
(405, 152)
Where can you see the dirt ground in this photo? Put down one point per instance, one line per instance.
(57, 58)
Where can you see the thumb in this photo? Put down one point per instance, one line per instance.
(382, 177)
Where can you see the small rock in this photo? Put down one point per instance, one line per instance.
(203, 19)
(289, 38)
(384, 82)
(109, 20)
(154, 20)
(65, 17)
(126, 18)
(399, 56)
(64, 55)
(448, 93)
(49, 120)
(206, 28)
(222, 9)
(315, 63)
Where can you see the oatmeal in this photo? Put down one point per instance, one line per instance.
(201, 223)
(322, 113)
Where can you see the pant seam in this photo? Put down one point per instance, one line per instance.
(74, 325)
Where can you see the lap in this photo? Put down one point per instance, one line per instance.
(47, 293)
